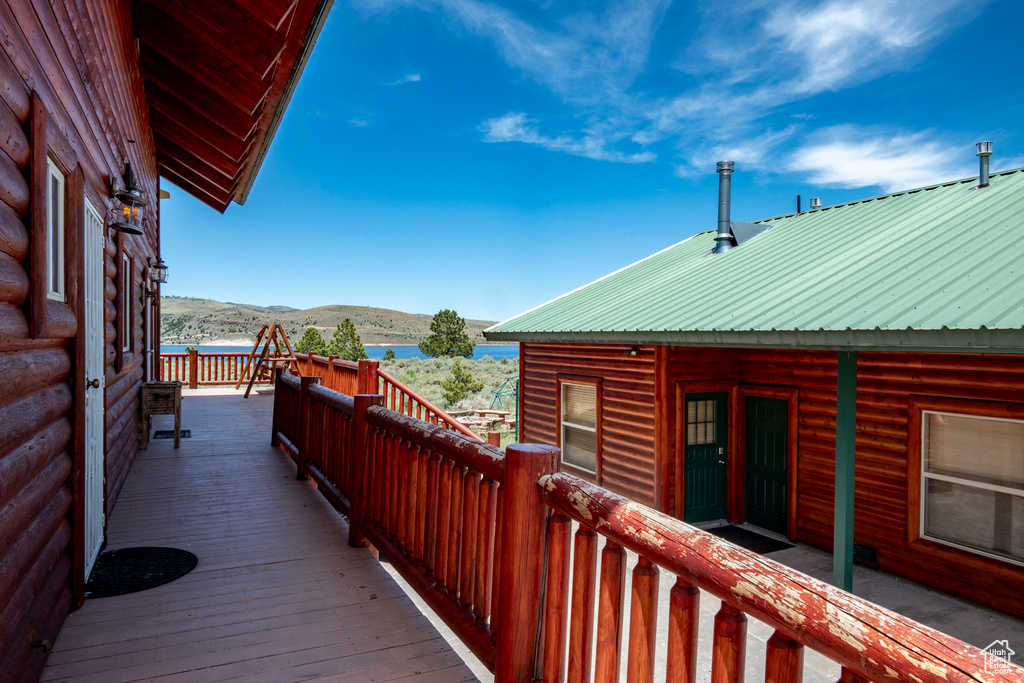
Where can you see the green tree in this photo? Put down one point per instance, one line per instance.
(459, 384)
(312, 342)
(345, 342)
(448, 337)
(389, 354)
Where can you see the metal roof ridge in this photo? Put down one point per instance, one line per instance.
(947, 183)
(594, 282)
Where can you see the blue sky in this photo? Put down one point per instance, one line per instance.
(489, 156)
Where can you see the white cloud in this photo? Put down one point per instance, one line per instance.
(411, 78)
(516, 127)
(359, 123)
(851, 156)
(749, 59)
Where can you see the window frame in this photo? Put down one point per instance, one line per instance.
(916, 509)
(51, 313)
(596, 474)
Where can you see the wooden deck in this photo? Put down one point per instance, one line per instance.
(278, 595)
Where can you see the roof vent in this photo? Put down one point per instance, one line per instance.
(815, 203)
(731, 234)
(984, 152)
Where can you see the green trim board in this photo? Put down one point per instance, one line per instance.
(934, 269)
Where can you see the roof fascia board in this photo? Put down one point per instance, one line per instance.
(1002, 341)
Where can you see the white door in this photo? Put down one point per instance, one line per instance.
(95, 382)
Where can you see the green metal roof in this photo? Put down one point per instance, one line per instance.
(937, 268)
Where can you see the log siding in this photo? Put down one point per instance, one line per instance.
(626, 409)
(890, 385)
(70, 91)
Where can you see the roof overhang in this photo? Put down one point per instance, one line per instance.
(995, 341)
(218, 78)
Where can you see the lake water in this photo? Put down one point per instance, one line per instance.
(496, 351)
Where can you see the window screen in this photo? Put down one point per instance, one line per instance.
(579, 425)
(973, 482)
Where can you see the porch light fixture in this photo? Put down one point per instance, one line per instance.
(126, 214)
(158, 270)
(148, 293)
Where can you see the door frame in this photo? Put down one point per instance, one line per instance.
(730, 387)
(737, 502)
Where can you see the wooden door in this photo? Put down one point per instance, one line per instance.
(705, 471)
(767, 422)
(94, 324)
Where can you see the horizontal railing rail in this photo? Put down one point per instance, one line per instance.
(196, 369)
(366, 377)
(484, 536)
(868, 641)
(403, 399)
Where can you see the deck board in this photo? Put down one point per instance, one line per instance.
(278, 595)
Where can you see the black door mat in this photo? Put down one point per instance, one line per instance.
(751, 540)
(169, 434)
(130, 570)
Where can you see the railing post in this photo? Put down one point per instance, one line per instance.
(357, 468)
(367, 380)
(275, 420)
(494, 438)
(193, 369)
(303, 436)
(328, 376)
(522, 560)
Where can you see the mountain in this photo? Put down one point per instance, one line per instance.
(186, 320)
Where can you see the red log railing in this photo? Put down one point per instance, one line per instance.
(366, 377)
(484, 537)
(196, 369)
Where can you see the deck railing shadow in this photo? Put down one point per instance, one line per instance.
(484, 536)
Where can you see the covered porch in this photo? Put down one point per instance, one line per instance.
(277, 595)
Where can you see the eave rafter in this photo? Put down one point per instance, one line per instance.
(217, 77)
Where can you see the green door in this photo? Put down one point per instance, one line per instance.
(766, 426)
(704, 494)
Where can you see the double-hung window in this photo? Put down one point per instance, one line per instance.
(579, 425)
(972, 482)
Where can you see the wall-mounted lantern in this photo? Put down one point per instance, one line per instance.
(126, 214)
(158, 270)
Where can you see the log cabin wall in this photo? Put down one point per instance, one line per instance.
(886, 451)
(77, 63)
(627, 407)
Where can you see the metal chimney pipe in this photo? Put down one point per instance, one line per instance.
(724, 239)
(815, 203)
(984, 152)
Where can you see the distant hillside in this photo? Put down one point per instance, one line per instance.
(191, 321)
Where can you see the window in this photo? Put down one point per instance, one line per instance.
(54, 232)
(126, 303)
(972, 482)
(579, 425)
(700, 422)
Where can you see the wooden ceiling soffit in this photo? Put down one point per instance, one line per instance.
(171, 150)
(212, 185)
(217, 200)
(199, 126)
(167, 81)
(233, 32)
(176, 133)
(174, 41)
(271, 12)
